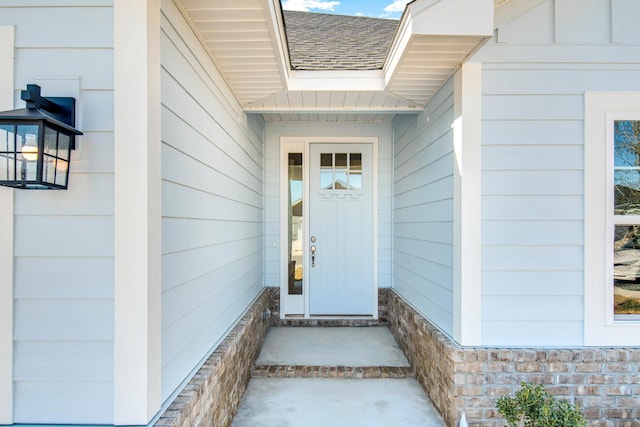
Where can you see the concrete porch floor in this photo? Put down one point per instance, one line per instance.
(333, 376)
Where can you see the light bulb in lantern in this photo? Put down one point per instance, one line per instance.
(30, 148)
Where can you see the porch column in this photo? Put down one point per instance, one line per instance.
(137, 174)
(6, 241)
(467, 263)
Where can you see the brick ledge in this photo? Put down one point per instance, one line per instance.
(321, 371)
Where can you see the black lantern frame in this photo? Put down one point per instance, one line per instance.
(36, 142)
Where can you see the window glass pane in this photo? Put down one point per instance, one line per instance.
(627, 143)
(341, 171)
(296, 224)
(356, 162)
(627, 167)
(355, 181)
(341, 160)
(326, 160)
(626, 270)
(627, 192)
(326, 180)
(341, 182)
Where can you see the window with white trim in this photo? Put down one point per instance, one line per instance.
(626, 218)
(612, 219)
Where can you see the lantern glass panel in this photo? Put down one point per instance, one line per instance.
(7, 153)
(50, 141)
(64, 146)
(49, 169)
(62, 172)
(7, 138)
(27, 142)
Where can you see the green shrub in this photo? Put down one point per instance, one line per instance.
(532, 406)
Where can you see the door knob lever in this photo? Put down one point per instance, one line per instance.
(313, 255)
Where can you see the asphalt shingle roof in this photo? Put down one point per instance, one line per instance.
(320, 41)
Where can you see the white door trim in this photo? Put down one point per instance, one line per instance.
(302, 144)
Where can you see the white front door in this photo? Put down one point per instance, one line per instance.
(340, 241)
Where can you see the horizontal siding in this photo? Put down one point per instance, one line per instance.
(52, 401)
(533, 166)
(423, 209)
(63, 277)
(212, 205)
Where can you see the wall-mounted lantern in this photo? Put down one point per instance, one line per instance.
(36, 142)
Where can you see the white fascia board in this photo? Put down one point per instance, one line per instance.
(439, 18)
(280, 44)
(336, 80)
(452, 17)
(398, 48)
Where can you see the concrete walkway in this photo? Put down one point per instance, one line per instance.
(342, 376)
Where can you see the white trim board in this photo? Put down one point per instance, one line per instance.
(600, 328)
(467, 270)
(137, 219)
(7, 42)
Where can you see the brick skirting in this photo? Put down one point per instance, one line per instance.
(604, 382)
(212, 396)
(317, 371)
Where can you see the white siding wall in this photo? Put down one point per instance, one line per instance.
(63, 284)
(423, 209)
(272, 188)
(212, 190)
(534, 81)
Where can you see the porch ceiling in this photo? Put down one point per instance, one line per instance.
(246, 40)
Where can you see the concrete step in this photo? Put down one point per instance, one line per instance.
(334, 376)
(328, 348)
(322, 402)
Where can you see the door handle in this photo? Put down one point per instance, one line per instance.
(313, 255)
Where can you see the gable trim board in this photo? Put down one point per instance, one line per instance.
(7, 37)
(600, 327)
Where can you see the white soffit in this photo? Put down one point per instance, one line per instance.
(433, 40)
(334, 101)
(246, 40)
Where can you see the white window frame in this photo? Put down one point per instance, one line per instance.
(601, 110)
